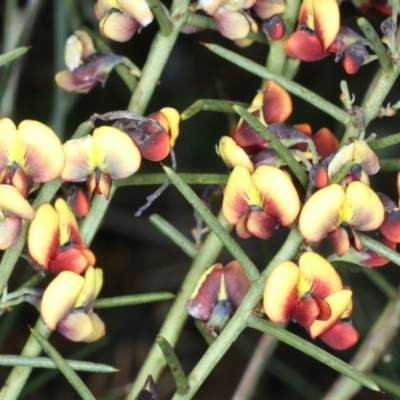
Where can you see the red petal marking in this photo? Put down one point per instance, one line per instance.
(280, 292)
(390, 227)
(205, 295)
(277, 104)
(69, 259)
(340, 241)
(22, 182)
(241, 227)
(237, 283)
(152, 147)
(319, 176)
(78, 201)
(235, 203)
(279, 196)
(341, 336)
(325, 142)
(323, 277)
(10, 230)
(246, 137)
(261, 224)
(325, 311)
(305, 46)
(305, 312)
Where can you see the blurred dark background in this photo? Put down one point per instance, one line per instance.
(136, 258)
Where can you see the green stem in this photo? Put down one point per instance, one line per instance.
(174, 365)
(224, 106)
(157, 58)
(387, 141)
(215, 226)
(177, 315)
(276, 144)
(289, 85)
(44, 362)
(239, 320)
(376, 43)
(159, 179)
(342, 173)
(389, 165)
(368, 355)
(162, 18)
(186, 245)
(19, 375)
(134, 299)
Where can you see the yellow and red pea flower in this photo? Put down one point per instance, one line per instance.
(218, 295)
(311, 294)
(85, 66)
(339, 212)
(67, 302)
(257, 203)
(156, 136)
(13, 208)
(100, 158)
(30, 154)
(121, 19)
(54, 241)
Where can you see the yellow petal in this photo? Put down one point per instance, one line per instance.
(320, 214)
(279, 196)
(68, 227)
(43, 238)
(115, 152)
(173, 118)
(317, 276)
(362, 208)
(98, 329)
(13, 204)
(338, 302)
(76, 326)
(233, 155)
(280, 292)
(80, 159)
(237, 195)
(326, 20)
(59, 297)
(8, 142)
(42, 153)
(138, 10)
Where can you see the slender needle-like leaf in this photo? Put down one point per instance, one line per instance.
(131, 300)
(64, 367)
(313, 351)
(44, 362)
(12, 55)
(174, 365)
(380, 248)
(224, 106)
(186, 245)
(215, 226)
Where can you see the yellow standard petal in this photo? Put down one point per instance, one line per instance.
(12, 203)
(326, 20)
(138, 10)
(8, 143)
(280, 292)
(317, 276)
(80, 159)
(115, 153)
(43, 239)
(68, 227)
(237, 195)
(278, 194)
(362, 208)
(42, 154)
(233, 155)
(59, 297)
(173, 118)
(320, 214)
